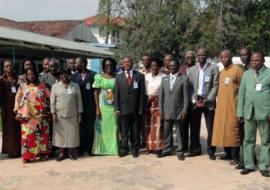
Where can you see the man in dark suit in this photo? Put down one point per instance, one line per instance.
(85, 79)
(129, 106)
(173, 104)
(190, 60)
(204, 80)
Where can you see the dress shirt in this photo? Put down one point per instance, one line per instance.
(172, 79)
(130, 73)
(201, 86)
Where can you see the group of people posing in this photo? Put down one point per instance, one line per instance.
(76, 111)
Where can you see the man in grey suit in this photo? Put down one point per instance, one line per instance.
(129, 106)
(174, 105)
(204, 78)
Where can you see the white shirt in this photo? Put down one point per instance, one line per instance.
(130, 73)
(152, 83)
(201, 86)
(172, 79)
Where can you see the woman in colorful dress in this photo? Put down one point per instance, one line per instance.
(11, 128)
(154, 125)
(32, 110)
(105, 141)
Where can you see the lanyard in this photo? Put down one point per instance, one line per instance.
(256, 77)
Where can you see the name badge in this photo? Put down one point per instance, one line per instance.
(88, 86)
(69, 91)
(13, 89)
(207, 79)
(227, 80)
(259, 87)
(135, 85)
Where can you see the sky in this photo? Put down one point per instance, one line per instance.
(28, 10)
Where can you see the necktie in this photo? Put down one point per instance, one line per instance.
(172, 82)
(129, 79)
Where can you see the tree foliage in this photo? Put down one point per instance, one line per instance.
(175, 26)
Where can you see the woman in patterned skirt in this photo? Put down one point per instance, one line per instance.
(32, 110)
(154, 125)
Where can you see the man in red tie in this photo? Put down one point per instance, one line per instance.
(129, 105)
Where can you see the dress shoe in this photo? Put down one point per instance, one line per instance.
(89, 153)
(212, 157)
(26, 161)
(72, 156)
(135, 154)
(265, 173)
(246, 171)
(13, 156)
(148, 152)
(234, 162)
(181, 156)
(225, 157)
(123, 154)
(80, 153)
(240, 166)
(60, 157)
(163, 154)
(194, 153)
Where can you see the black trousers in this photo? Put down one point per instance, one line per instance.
(130, 130)
(87, 133)
(142, 122)
(168, 135)
(241, 134)
(184, 132)
(195, 129)
(233, 152)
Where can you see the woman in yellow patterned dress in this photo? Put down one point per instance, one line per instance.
(32, 110)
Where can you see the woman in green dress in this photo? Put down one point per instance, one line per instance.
(105, 141)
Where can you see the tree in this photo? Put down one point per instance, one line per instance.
(175, 26)
(156, 26)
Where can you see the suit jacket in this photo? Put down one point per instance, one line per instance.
(130, 100)
(87, 91)
(211, 87)
(48, 79)
(65, 103)
(250, 100)
(176, 101)
(183, 69)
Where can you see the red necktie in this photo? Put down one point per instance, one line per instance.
(129, 79)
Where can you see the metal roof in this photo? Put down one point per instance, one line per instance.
(25, 39)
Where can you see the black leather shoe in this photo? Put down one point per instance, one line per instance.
(60, 157)
(265, 173)
(135, 154)
(195, 153)
(80, 153)
(246, 171)
(225, 157)
(72, 157)
(163, 154)
(212, 157)
(89, 153)
(123, 154)
(240, 166)
(181, 156)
